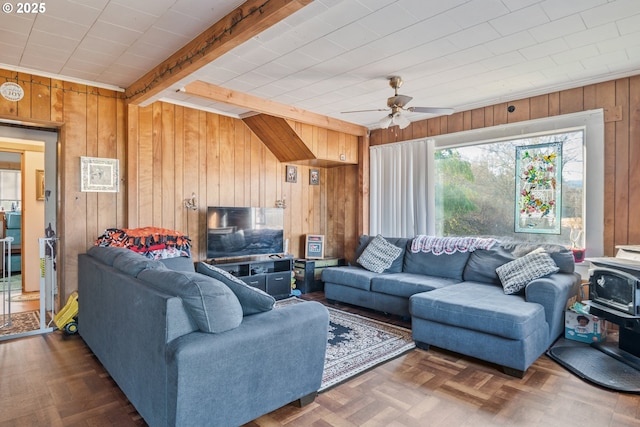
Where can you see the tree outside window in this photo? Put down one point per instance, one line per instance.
(475, 188)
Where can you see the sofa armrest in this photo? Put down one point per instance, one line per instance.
(552, 293)
(271, 359)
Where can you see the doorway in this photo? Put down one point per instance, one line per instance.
(31, 306)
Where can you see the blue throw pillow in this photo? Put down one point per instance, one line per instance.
(252, 300)
(210, 303)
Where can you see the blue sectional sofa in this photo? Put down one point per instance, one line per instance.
(183, 349)
(458, 302)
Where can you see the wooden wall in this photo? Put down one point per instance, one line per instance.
(621, 101)
(175, 151)
(166, 153)
(90, 122)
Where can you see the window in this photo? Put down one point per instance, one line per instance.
(10, 190)
(470, 182)
(476, 190)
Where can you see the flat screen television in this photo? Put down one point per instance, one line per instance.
(244, 232)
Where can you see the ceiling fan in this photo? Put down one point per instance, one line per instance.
(397, 104)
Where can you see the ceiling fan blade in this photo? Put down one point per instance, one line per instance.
(364, 111)
(430, 110)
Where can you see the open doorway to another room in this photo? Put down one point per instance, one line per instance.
(11, 226)
(26, 204)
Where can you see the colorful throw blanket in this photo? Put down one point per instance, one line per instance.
(449, 245)
(152, 242)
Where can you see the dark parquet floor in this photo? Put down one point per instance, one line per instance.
(53, 380)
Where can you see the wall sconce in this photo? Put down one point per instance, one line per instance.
(191, 203)
(281, 203)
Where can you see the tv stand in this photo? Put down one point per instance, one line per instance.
(268, 274)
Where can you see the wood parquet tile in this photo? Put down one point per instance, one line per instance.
(53, 380)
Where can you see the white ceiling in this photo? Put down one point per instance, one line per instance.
(335, 55)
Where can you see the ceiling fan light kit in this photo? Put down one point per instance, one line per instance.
(396, 119)
(385, 122)
(401, 120)
(397, 104)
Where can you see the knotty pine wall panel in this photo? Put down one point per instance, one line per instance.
(622, 142)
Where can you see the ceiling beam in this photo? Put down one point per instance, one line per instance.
(245, 22)
(273, 108)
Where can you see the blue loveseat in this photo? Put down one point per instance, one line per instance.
(145, 320)
(457, 302)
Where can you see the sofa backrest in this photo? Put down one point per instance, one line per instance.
(103, 280)
(127, 324)
(482, 263)
(478, 266)
(444, 265)
(108, 254)
(210, 303)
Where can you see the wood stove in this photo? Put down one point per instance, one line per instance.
(614, 291)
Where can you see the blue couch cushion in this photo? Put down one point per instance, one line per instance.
(16, 233)
(13, 220)
(483, 263)
(396, 265)
(106, 254)
(179, 263)
(132, 263)
(562, 256)
(252, 300)
(444, 265)
(407, 284)
(211, 304)
(480, 307)
(350, 275)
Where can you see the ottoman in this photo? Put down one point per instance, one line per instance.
(479, 320)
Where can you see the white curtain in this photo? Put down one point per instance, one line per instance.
(399, 188)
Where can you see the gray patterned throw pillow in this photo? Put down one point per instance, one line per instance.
(379, 255)
(515, 275)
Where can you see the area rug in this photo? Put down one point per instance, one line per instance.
(595, 366)
(25, 296)
(16, 283)
(20, 322)
(356, 344)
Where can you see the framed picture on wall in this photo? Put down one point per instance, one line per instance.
(99, 174)
(314, 177)
(39, 184)
(314, 247)
(292, 173)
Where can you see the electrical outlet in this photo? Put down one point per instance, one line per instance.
(343, 157)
